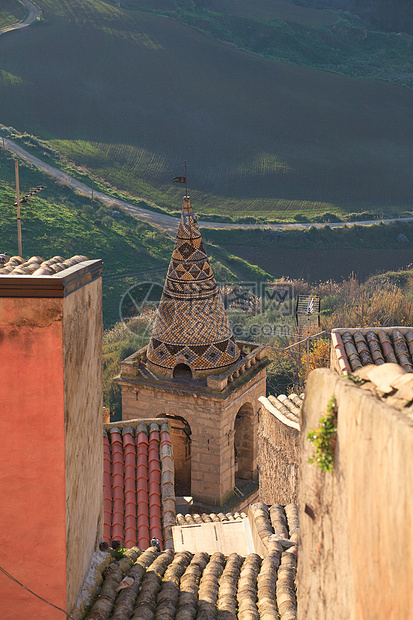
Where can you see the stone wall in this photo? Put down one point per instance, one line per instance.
(82, 355)
(278, 459)
(356, 545)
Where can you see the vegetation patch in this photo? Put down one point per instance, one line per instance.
(11, 12)
(324, 438)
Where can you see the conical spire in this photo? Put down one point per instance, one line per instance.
(191, 326)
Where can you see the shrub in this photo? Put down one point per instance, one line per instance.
(324, 438)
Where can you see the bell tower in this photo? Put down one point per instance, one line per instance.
(191, 328)
(194, 372)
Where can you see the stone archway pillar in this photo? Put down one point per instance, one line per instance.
(245, 442)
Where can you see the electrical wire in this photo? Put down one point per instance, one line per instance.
(34, 593)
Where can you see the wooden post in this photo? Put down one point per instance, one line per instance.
(19, 228)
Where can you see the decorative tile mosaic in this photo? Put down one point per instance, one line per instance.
(191, 323)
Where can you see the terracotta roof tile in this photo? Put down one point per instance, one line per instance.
(285, 408)
(37, 266)
(138, 483)
(276, 525)
(171, 585)
(208, 518)
(278, 529)
(351, 349)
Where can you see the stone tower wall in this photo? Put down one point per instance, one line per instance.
(211, 418)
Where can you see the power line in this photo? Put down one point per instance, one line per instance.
(34, 593)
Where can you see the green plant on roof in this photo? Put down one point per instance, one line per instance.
(324, 438)
(118, 553)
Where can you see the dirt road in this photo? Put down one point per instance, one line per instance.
(159, 220)
(32, 16)
(164, 222)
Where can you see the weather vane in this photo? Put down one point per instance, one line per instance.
(183, 179)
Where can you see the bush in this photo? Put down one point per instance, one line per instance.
(299, 217)
(328, 218)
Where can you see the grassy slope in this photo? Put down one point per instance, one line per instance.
(321, 254)
(131, 94)
(11, 12)
(312, 38)
(58, 221)
(376, 236)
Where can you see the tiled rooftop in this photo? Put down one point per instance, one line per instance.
(352, 349)
(183, 585)
(285, 408)
(278, 529)
(389, 382)
(191, 519)
(38, 266)
(138, 483)
(276, 524)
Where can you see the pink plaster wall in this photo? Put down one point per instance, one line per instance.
(32, 458)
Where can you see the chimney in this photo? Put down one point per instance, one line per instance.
(51, 436)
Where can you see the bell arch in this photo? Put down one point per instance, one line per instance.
(244, 453)
(182, 371)
(181, 440)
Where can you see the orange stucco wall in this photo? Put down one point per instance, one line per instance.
(32, 458)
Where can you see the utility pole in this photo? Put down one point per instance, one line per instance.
(91, 204)
(19, 228)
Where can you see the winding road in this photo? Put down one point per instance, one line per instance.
(159, 220)
(32, 16)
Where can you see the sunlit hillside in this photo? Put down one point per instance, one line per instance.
(131, 91)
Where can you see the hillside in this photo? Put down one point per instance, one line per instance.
(130, 94)
(58, 221)
(11, 12)
(333, 40)
(321, 254)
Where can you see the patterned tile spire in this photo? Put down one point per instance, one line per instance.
(191, 326)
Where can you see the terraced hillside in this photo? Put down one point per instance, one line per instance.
(130, 94)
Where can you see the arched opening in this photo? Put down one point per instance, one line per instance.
(181, 439)
(182, 371)
(244, 443)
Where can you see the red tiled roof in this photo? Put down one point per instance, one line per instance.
(354, 348)
(138, 483)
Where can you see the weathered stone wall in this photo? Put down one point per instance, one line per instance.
(82, 354)
(278, 460)
(356, 523)
(212, 421)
